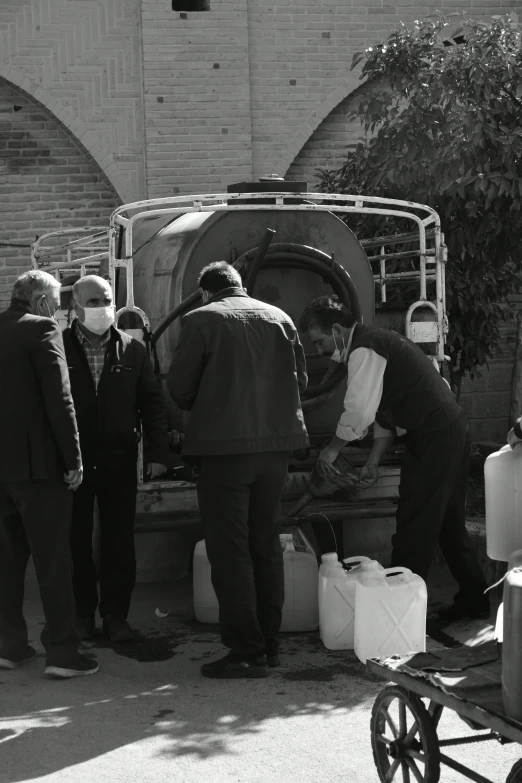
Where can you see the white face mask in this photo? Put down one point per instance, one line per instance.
(51, 315)
(338, 356)
(98, 319)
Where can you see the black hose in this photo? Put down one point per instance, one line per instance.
(296, 257)
(251, 274)
(178, 311)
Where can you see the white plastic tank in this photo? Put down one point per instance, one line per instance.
(206, 607)
(301, 607)
(337, 607)
(390, 613)
(328, 560)
(503, 480)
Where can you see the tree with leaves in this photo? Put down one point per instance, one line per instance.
(442, 114)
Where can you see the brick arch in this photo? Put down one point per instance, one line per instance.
(311, 124)
(87, 139)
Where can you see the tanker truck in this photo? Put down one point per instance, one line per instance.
(290, 246)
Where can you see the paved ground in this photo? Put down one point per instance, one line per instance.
(149, 716)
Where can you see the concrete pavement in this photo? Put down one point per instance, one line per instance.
(149, 716)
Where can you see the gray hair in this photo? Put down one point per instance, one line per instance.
(31, 285)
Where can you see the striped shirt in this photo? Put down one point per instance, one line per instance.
(95, 354)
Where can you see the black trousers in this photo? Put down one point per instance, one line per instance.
(432, 509)
(239, 500)
(114, 487)
(35, 518)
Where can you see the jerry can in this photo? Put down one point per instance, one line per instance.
(328, 560)
(206, 606)
(301, 607)
(337, 606)
(512, 638)
(390, 613)
(503, 482)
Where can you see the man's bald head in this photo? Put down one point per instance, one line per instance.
(92, 291)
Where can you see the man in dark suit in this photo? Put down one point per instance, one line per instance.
(114, 391)
(239, 369)
(40, 467)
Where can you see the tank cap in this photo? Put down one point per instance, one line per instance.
(329, 557)
(373, 565)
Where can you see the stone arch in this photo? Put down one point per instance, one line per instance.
(85, 138)
(311, 124)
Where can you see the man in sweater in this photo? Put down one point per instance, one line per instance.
(395, 386)
(115, 392)
(238, 368)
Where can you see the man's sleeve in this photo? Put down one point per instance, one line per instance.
(300, 363)
(152, 411)
(48, 357)
(363, 393)
(187, 366)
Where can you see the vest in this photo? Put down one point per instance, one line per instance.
(414, 396)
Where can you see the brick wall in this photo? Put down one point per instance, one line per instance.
(197, 97)
(82, 60)
(46, 182)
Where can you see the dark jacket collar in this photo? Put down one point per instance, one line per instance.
(20, 307)
(226, 292)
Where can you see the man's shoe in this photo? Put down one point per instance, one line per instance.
(117, 629)
(13, 661)
(85, 627)
(273, 659)
(79, 666)
(232, 668)
(272, 653)
(463, 611)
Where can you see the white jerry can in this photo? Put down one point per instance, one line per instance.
(390, 613)
(337, 603)
(503, 482)
(206, 607)
(301, 607)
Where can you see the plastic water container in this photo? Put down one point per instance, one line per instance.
(390, 613)
(503, 481)
(337, 603)
(301, 607)
(512, 638)
(206, 607)
(328, 560)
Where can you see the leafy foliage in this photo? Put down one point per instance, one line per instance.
(443, 125)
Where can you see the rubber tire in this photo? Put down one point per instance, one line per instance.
(426, 730)
(515, 776)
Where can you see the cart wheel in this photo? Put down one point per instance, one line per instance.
(403, 738)
(515, 776)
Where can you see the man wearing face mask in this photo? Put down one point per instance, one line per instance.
(395, 386)
(115, 392)
(40, 468)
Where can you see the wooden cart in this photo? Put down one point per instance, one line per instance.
(404, 738)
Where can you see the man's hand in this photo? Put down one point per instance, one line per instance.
(73, 478)
(328, 455)
(155, 469)
(368, 475)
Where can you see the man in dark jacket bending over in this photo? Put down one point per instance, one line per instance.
(114, 391)
(239, 367)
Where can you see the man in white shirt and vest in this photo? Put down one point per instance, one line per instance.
(395, 386)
